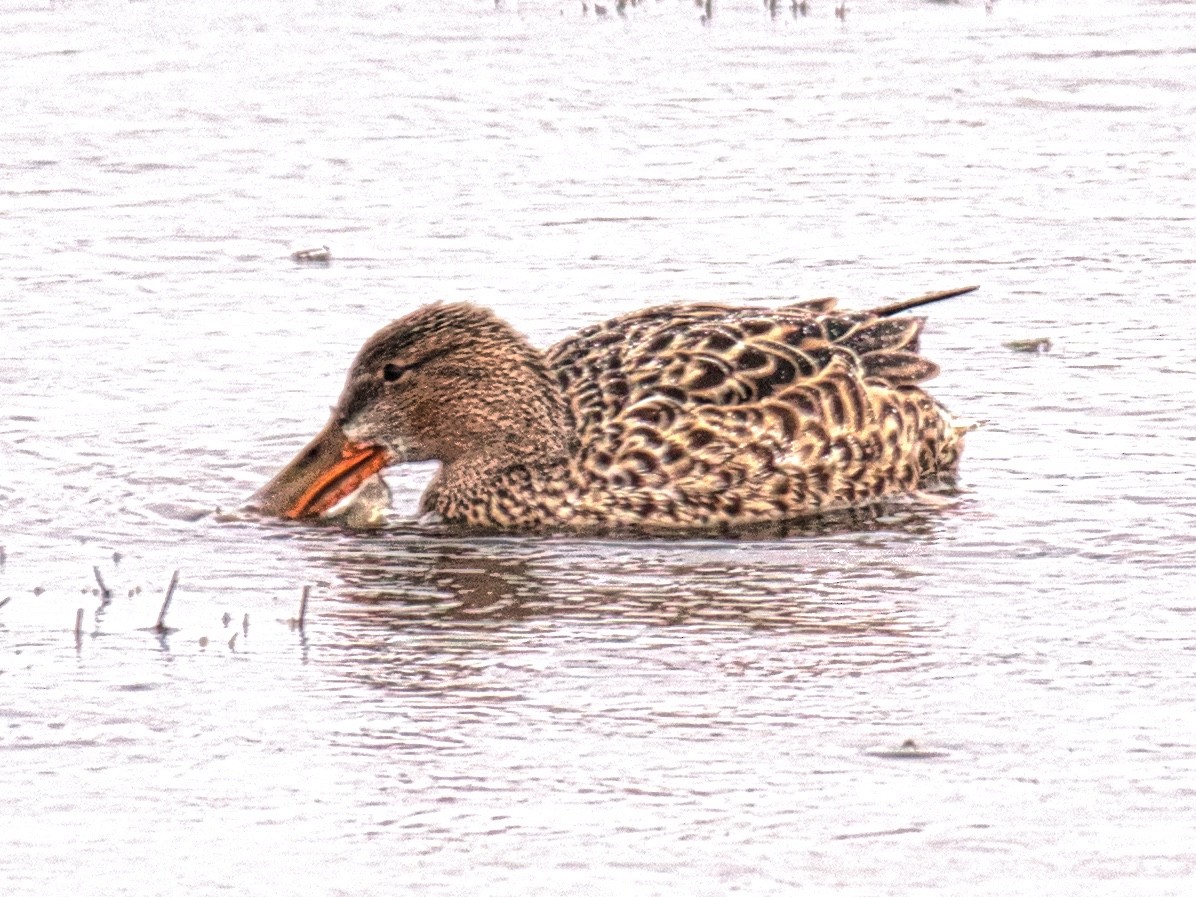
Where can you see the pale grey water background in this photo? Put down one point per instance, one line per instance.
(552, 716)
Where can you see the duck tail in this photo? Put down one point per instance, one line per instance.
(885, 311)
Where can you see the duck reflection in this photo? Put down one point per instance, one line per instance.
(413, 610)
(417, 574)
(422, 580)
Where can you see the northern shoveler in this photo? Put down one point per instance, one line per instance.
(674, 418)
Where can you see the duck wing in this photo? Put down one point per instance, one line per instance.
(709, 413)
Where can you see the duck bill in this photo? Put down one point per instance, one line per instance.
(325, 471)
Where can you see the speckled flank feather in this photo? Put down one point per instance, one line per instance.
(707, 416)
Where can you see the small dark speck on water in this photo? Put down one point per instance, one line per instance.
(37, 590)
(226, 619)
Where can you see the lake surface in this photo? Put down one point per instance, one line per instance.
(525, 716)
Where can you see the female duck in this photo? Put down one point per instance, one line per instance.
(673, 418)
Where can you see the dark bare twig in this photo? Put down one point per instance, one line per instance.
(161, 624)
(303, 606)
(105, 592)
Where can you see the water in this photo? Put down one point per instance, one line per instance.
(546, 716)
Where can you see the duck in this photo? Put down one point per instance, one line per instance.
(673, 418)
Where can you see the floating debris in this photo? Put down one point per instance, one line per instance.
(909, 750)
(318, 255)
(79, 629)
(1038, 344)
(226, 619)
(232, 642)
(5, 601)
(174, 511)
(881, 833)
(203, 641)
(245, 626)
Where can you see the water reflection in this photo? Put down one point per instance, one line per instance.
(438, 579)
(430, 613)
(433, 575)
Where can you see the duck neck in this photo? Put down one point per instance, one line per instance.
(501, 476)
(489, 493)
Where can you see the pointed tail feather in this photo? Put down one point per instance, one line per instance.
(885, 310)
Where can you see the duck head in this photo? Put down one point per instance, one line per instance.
(451, 383)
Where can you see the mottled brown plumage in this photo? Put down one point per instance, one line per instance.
(685, 417)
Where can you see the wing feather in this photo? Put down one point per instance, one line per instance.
(749, 411)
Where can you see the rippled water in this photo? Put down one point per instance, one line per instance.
(548, 716)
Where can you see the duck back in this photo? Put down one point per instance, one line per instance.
(694, 416)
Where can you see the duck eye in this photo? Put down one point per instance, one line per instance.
(392, 372)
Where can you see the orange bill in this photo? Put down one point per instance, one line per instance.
(325, 471)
